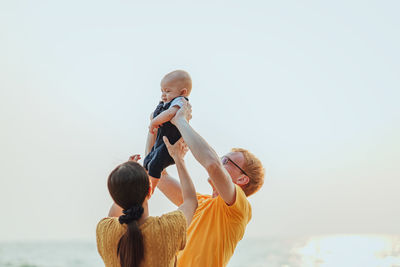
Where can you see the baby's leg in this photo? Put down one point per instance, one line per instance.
(146, 163)
(160, 160)
(154, 172)
(154, 182)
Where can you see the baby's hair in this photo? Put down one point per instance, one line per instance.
(182, 78)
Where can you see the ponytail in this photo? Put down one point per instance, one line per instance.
(130, 247)
(128, 185)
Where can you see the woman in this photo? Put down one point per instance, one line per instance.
(135, 238)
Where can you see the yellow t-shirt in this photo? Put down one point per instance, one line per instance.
(215, 230)
(163, 237)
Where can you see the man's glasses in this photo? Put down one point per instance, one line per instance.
(225, 160)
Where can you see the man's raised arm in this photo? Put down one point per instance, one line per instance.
(205, 155)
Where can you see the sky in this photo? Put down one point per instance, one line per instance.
(312, 88)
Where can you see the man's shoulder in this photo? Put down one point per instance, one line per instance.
(202, 196)
(240, 194)
(240, 209)
(204, 202)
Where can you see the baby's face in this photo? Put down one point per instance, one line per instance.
(169, 90)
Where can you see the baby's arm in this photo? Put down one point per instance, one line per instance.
(151, 139)
(162, 118)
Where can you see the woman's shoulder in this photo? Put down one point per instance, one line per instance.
(107, 220)
(168, 221)
(173, 216)
(108, 224)
(176, 216)
(168, 230)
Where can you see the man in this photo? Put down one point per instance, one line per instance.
(220, 219)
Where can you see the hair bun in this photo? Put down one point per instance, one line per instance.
(132, 214)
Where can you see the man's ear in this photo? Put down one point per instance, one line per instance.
(242, 180)
(184, 91)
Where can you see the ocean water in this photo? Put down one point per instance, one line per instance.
(324, 251)
(49, 254)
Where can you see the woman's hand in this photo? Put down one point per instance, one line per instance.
(185, 112)
(135, 158)
(177, 150)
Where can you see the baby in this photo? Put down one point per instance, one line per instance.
(175, 86)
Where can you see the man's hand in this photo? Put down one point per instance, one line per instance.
(177, 150)
(185, 112)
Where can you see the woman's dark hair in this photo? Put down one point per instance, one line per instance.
(129, 185)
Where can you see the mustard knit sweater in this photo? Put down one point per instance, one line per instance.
(163, 237)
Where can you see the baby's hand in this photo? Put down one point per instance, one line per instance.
(153, 127)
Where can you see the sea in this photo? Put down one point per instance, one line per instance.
(318, 251)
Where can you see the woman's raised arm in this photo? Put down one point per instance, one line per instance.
(177, 152)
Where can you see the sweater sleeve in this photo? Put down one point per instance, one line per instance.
(175, 229)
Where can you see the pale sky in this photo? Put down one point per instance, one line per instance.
(311, 88)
